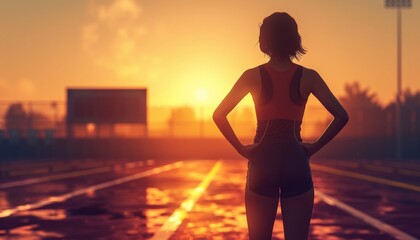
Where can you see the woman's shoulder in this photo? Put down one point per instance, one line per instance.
(251, 73)
(309, 73)
(308, 70)
(253, 70)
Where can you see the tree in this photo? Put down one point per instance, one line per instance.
(16, 117)
(367, 117)
(410, 113)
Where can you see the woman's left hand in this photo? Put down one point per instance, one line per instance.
(245, 150)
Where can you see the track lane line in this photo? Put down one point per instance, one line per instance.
(42, 179)
(64, 197)
(365, 177)
(398, 234)
(175, 220)
(72, 174)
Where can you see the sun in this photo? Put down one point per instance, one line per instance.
(201, 94)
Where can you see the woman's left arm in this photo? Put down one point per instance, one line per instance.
(239, 90)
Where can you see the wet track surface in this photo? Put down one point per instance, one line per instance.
(138, 208)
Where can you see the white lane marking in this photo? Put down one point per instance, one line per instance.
(365, 177)
(398, 234)
(64, 197)
(53, 177)
(173, 222)
(79, 173)
(117, 166)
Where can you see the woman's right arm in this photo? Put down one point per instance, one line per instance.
(321, 91)
(240, 89)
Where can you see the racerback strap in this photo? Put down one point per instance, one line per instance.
(267, 87)
(295, 87)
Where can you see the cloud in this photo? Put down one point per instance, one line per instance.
(23, 88)
(118, 38)
(119, 9)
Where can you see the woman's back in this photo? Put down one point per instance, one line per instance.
(278, 104)
(279, 94)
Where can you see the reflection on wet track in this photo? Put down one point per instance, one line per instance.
(173, 222)
(88, 190)
(196, 199)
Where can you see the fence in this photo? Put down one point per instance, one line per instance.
(46, 118)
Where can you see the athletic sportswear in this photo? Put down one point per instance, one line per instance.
(279, 97)
(279, 163)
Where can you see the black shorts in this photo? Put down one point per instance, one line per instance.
(276, 165)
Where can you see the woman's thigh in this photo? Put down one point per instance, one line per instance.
(296, 213)
(261, 213)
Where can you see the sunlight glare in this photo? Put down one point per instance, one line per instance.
(201, 94)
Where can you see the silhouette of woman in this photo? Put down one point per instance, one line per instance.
(278, 161)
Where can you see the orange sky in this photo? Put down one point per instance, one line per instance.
(191, 52)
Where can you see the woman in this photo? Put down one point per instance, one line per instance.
(278, 161)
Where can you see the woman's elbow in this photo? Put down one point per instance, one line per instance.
(217, 116)
(344, 118)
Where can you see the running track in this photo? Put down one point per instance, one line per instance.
(201, 199)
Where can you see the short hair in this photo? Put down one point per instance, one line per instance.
(279, 37)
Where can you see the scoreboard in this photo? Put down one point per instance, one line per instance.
(106, 106)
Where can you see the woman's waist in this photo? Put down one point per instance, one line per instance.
(280, 112)
(280, 138)
(283, 130)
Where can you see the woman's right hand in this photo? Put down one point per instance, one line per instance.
(246, 150)
(309, 148)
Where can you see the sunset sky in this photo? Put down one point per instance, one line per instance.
(189, 52)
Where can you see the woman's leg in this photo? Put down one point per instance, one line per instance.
(260, 214)
(296, 213)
